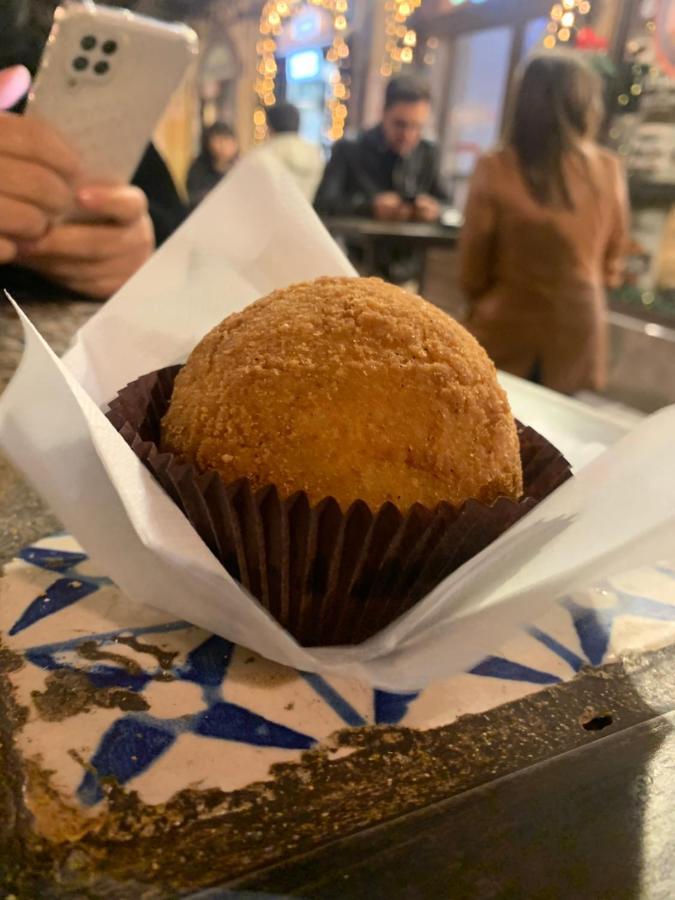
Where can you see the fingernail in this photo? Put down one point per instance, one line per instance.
(86, 197)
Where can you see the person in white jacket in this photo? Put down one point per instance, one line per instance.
(303, 160)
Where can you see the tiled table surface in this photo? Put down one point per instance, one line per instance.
(121, 702)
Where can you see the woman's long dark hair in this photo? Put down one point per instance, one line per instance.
(558, 102)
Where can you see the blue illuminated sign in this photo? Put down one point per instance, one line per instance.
(304, 65)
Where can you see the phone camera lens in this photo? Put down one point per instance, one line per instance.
(88, 42)
(80, 63)
(109, 47)
(101, 67)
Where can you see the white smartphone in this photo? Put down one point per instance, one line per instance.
(105, 78)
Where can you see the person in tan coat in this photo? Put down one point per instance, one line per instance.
(545, 229)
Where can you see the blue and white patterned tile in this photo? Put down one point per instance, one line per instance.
(166, 706)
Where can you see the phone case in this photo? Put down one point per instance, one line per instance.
(105, 79)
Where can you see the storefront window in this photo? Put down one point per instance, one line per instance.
(535, 31)
(479, 76)
(643, 132)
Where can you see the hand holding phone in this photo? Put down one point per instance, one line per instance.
(105, 79)
(426, 208)
(38, 171)
(390, 207)
(95, 258)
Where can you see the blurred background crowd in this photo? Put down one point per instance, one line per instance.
(513, 159)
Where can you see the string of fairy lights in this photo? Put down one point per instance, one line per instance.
(565, 19)
(401, 42)
(400, 39)
(272, 17)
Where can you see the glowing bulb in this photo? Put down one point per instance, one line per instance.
(340, 23)
(549, 42)
(556, 12)
(406, 55)
(567, 20)
(564, 34)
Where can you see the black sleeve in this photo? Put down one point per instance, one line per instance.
(167, 210)
(200, 181)
(436, 187)
(337, 194)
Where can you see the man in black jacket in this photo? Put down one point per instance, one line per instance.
(389, 172)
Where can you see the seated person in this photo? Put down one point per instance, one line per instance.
(389, 172)
(40, 181)
(220, 150)
(304, 161)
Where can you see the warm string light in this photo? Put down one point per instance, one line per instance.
(338, 53)
(273, 14)
(564, 21)
(639, 74)
(430, 50)
(401, 40)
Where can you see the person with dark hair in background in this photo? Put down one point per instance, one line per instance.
(390, 172)
(304, 161)
(219, 152)
(38, 171)
(545, 231)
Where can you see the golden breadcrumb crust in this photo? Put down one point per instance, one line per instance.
(348, 387)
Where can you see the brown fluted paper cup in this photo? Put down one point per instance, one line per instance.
(329, 577)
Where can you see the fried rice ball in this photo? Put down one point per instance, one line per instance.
(348, 387)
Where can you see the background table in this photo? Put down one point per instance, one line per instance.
(370, 234)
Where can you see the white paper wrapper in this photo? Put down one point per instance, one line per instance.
(253, 234)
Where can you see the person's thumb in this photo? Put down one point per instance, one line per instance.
(14, 82)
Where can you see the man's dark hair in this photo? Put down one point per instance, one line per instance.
(406, 89)
(284, 118)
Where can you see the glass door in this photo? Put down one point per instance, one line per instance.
(479, 77)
